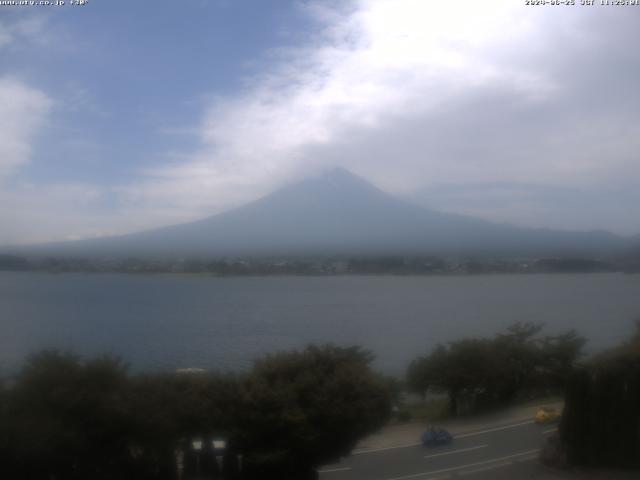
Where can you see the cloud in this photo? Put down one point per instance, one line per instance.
(34, 213)
(411, 92)
(25, 28)
(539, 206)
(23, 111)
(411, 95)
(373, 61)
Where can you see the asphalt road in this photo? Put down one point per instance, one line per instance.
(499, 452)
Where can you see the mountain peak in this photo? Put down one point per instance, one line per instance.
(338, 173)
(339, 179)
(338, 212)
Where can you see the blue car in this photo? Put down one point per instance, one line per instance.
(435, 436)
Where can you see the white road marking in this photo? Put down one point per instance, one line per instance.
(331, 470)
(372, 450)
(464, 435)
(529, 458)
(546, 432)
(460, 467)
(451, 452)
(486, 468)
(505, 427)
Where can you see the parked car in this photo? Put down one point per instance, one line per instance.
(435, 436)
(547, 415)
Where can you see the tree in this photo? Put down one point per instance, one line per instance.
(466, 370)
(427, 372)
(482, 373)
(559, 357)
(4, 420)
(601, 421)
(70, 419)
(66, 418)
(307, 408)
(518, 354)
(167, 411)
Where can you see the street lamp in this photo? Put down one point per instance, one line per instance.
(219, 446)
(196, 444)
(240, 458)
(179, 454)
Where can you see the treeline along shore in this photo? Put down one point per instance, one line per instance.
(65, 417)
(368, 265)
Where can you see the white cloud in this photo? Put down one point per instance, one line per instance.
(26, 28)
(412, 93)
(23, 111)
(407, 93)
(375, 60)
(5, 37)
(33, 213)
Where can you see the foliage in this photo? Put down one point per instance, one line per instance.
(425, 412)
(168, 410)
(311, 407)
(477, 373)
(60, 411)
(601, 421)
(559, 355)
(66, 418)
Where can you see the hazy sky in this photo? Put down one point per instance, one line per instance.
(123, 115)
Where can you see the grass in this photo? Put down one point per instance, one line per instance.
(426, 411)
(438, 408)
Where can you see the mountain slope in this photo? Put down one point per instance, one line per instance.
(340, 213)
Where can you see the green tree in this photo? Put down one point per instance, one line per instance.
(4, 420)
(66, 418)
(560, 355)
(70, 419)
(167, 411)
(482, 373)
(307, 408)
(517, 356)
(601, 421)
(464, 370)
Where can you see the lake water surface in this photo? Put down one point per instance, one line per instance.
(160, 322)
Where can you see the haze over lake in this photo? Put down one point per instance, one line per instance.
(158, 322)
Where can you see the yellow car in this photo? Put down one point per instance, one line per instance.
(547, 415)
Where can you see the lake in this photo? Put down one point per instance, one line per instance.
(159, 322)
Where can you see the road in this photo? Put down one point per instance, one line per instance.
(495, 452)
